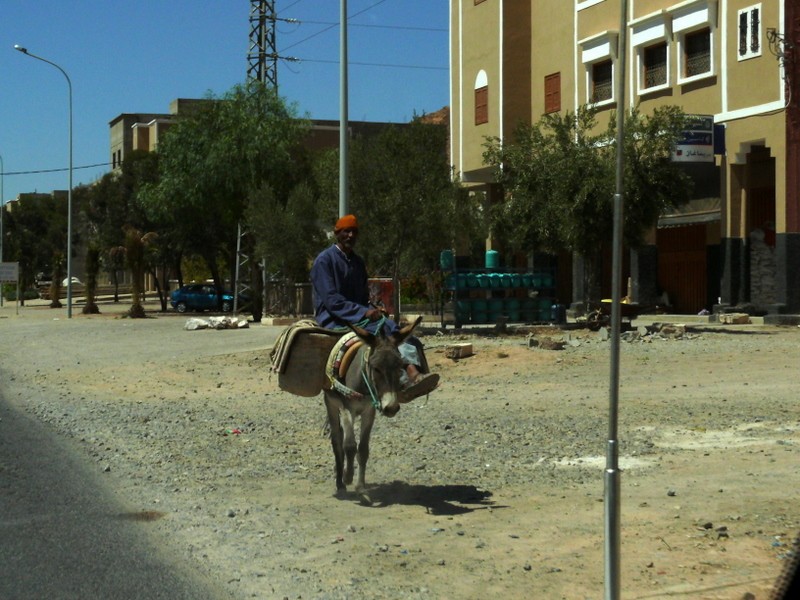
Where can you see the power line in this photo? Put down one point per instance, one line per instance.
(320, 32)
(54, 170)
(403, 27)
(366, 64)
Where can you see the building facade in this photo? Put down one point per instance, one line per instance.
(141, 131)
(728, 63)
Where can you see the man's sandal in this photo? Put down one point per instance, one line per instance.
(424, 384)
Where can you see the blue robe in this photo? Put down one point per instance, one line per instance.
(340, 291)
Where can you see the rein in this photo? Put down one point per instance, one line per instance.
(373, 394)
(351, 393)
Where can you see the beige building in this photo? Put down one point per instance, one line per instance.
(726, 61)
(141, 131)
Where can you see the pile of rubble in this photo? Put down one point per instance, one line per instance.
(216, 323)
(648, 333)
(657, 331)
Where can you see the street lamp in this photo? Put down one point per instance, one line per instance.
(69, 189)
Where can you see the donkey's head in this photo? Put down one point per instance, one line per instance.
(384, 367)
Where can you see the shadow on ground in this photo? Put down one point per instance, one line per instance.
(436, 499)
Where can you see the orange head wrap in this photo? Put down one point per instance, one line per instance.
(346, 222)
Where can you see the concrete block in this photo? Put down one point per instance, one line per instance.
(458, 351)
(734, 318)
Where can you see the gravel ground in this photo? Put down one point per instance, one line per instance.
(492, 486)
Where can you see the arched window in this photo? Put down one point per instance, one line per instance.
(481, 98)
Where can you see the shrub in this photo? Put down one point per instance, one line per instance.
(10, 293)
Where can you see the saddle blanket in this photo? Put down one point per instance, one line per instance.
(299, 357)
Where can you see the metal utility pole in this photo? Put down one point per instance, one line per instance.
(241, 261)
(262, 56)
(262, 66)
(612, 472)
(343, 117)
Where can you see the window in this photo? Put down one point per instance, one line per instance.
(481, 88)
(697, 53)
(598, 54)
(552, 93)
(482, 105)
(654, 65)
(602, 82)
(650, 39)
(749, 32)
(693, 25)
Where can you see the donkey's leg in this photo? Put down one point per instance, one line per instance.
(367, 420)
(334, 405)
(346, 418)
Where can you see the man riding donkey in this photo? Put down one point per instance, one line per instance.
(341, 297)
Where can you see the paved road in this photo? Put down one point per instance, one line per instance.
(63, 533)
(65, 536)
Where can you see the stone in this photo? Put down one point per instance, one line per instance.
(734, 318)
(629, 336)
(457, 351)
(548, 344)
(673, 331)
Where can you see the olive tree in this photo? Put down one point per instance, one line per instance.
(211, 163)
(559, 180)
(407, 203)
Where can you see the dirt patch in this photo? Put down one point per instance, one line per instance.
(493, 486)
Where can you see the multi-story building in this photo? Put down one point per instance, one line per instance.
(138, 131)
(727, 61)
(141, 131)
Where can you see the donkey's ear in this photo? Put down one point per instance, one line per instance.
(369, 338)
(406, 331)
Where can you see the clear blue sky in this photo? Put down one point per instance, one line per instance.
(138, 55)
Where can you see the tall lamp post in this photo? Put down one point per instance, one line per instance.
(69, 189)
(343, 112)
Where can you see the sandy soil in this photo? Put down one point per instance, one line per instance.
(492, 487)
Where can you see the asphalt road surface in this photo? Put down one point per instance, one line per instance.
(63, 533)
(65, 536)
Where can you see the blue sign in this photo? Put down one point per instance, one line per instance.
(697, 142)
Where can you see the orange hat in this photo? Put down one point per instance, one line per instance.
(346, 222)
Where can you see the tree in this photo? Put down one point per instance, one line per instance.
(559, 182)
(287, 234)
(134, 251)
(213, 160)
(407, 204)
(92, 269)
(36, 237)
(112, 204)
(55, 282)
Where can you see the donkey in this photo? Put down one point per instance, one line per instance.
(374, 377)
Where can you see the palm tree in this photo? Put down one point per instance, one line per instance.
(134, 251)
(55, 280)
(92, 267)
